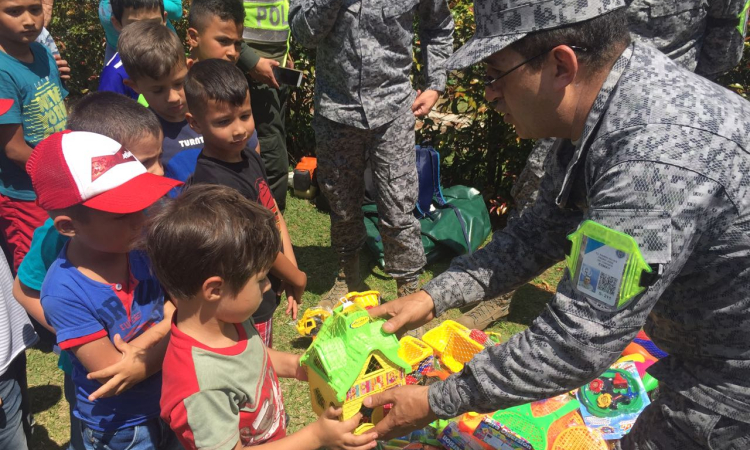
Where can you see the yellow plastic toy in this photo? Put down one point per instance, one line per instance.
(311, 321)
(437, 338)
(453, 344)
(366, 299)
(604, 400)
(352, 359)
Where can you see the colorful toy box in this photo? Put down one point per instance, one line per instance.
(352, 359)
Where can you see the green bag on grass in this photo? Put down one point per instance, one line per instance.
(442, 232)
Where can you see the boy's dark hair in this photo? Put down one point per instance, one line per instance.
(201, 12)
(118, 6)
(602, 37)
(214, 79)
(210, 230)
(113, 115)
(149, 49)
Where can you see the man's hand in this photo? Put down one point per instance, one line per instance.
(406, 313)
(263, 72)
(121, 376)
(63, 68)
(410, 411)
(424, 102)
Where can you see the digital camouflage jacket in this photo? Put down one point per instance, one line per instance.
(663, 158)
(364, 54)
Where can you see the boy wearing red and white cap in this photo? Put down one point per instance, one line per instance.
(96, 191)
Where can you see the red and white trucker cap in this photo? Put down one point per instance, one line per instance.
(72, 167)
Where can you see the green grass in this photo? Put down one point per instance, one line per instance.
(309, 229)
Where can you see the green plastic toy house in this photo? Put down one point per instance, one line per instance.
(351, 359)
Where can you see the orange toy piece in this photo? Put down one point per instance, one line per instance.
(580, 438)
(572, 419)
(638, 349)
(304, 180)
(470, 421)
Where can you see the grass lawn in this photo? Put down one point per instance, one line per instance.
(309, 229)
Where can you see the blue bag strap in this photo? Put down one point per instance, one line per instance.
(437, 192)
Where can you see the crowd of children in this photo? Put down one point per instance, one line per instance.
(144, 235)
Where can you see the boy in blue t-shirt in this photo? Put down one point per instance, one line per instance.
(98, 293)
(124, 13)
(137, 128)
(28, 76)
(154, 58)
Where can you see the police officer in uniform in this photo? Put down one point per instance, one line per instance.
(266, 34)
(365, 106)
(646, 191)
(704, 36)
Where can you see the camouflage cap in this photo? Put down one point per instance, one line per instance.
(502, 22)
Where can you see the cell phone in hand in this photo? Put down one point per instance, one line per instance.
(290, 77)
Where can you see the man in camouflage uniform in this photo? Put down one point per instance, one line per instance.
(365, 105)
(646, 148)
(703, 36)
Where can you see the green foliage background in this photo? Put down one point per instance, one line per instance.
(484, 152)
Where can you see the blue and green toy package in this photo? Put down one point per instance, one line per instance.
(612, 402)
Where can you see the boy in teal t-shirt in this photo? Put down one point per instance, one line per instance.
(28, 76)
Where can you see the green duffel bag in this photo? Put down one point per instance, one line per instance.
(458, 226)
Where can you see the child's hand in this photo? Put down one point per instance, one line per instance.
(123, 375)
(63, 68)
(294, 293)
(333, 434)
(263, 72)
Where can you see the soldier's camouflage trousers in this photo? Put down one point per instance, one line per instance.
(673, 421)
(342, 152)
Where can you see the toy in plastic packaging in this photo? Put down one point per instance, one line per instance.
(612, 402)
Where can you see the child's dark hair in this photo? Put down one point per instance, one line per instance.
(149, 49)
(115, 116)
(118, 6)
(210, 230)
(201, 11)
(214, 79)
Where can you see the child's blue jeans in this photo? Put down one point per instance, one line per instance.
(154, 434)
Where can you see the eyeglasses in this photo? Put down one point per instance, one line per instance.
(489, 81)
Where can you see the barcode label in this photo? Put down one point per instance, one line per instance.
(607, 284)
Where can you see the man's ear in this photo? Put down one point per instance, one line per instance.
(64, 225)
(116, 23)
(566, 66)
(164, 18)
(212, 289)
(193, 123)
(132, 85)
(193, 36)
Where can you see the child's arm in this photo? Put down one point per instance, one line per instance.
(29, 299)
(326, 432)
(287, 365)
(288, 272)
(141, 358)
(16, 148)
(295, 299)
